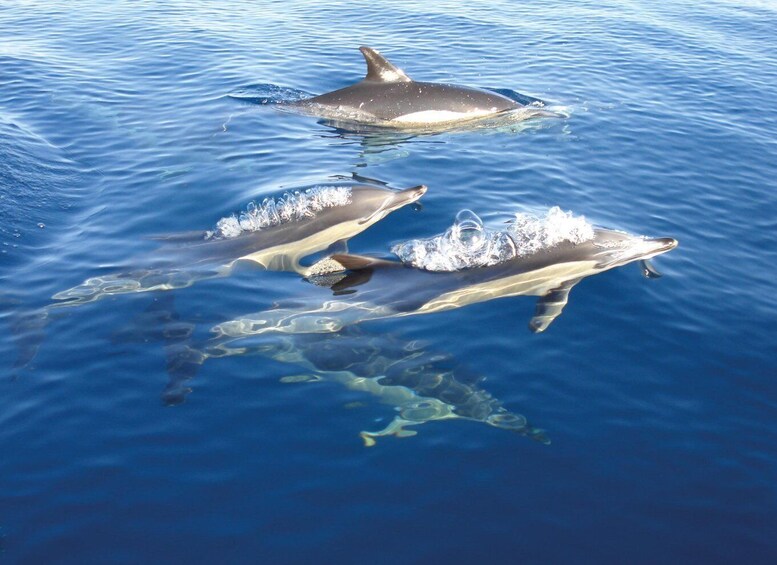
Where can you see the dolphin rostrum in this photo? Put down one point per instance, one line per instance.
(388, 97)
(378, 288)
(275, 235)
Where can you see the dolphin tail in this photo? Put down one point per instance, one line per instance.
(395, 428)
(182, 361)
(550, 306)
(183, 364)
(161, 323)
(29, 330)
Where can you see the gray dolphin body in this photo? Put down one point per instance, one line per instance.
(387, 96)
(184, 260)
(377, 288)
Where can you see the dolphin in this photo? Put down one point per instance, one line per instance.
(421, 385)
(279, 234)
(388, 97)
(290, 229)
(375, 288)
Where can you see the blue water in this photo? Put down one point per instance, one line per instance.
(658, 396)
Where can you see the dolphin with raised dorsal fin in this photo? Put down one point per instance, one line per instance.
(192, 257)
(387, 96)
(379, 288)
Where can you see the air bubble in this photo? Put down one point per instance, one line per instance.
(468, 244)
(291, 207)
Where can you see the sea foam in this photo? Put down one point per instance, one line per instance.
(468, 244)
(291, 207)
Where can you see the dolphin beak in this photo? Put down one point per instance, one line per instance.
(665, 244)
(396, 200)
(655, 246)
(409, 195)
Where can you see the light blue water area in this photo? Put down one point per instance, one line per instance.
(119, 122)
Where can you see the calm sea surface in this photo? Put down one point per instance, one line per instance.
(659, 397)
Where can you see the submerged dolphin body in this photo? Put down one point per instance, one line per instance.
(422, 386)
(377, 288)
(184, 260)
(388, 97)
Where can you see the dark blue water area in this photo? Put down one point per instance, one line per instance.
(658, 396)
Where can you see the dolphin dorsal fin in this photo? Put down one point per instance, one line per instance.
(359, 262)
(379, 69)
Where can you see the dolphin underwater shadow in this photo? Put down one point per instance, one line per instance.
(421, 385)
(369, 288)
(387, 98)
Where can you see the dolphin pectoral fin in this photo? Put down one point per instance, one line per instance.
(395, 428)
(648, 270)
(550, 306)
(379, 69)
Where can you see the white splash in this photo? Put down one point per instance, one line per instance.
(468, 244)
(532, 234)
(291, 207)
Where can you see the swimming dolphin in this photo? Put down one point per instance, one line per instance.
(379, 288)
(288, 231)
(422, 386)
(388, 97)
